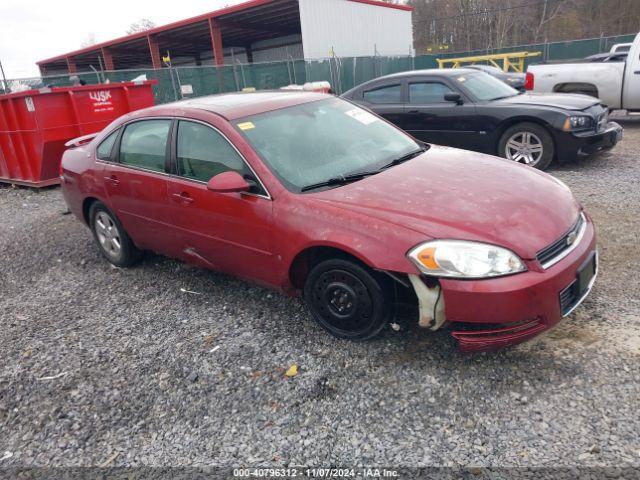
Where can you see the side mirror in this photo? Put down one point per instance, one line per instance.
(453, 97)
(228, 182)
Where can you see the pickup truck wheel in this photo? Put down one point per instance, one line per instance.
(527, 143)
(110, 236)
(347, 299)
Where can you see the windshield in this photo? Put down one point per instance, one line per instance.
(485, 87)
(314, 142)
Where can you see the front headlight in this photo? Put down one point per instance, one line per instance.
(463, 259)
(577, 122)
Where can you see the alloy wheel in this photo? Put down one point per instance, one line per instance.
(108, 234)
(524, 147)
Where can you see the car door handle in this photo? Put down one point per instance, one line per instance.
(113, 180)
(413, 111)
(637, 72)
(183, 197)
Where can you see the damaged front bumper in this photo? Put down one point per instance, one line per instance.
(572, 146)
(430, 303)
(493, 313)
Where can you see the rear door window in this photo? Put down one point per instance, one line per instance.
(144, 144)
(382, 95)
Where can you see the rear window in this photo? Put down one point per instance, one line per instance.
(389, 94)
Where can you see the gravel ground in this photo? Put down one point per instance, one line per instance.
(126, 367)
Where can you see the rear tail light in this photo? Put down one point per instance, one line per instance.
(529, 81)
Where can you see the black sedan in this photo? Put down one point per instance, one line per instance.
(469, 109)
(515, 80)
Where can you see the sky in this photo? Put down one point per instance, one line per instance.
(34, 30)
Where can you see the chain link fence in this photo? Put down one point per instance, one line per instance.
(343, 73)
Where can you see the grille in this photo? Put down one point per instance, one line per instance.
(568, 297)
(561, 245)
(482, 337)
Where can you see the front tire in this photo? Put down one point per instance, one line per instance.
(527, 143)
(347, 299)
(110, 236)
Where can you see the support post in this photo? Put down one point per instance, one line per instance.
(216, 42)
(107, 57)
(249, 52)
(155, 52)
(71, 65)
(215, 32)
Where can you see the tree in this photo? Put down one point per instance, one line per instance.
(464, 25)
(548, 11)
(140, 26)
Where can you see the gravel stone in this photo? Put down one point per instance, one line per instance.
(131, 366)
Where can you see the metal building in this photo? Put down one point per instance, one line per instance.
(254, 31)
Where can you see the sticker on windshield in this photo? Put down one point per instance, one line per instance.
(246, 126)
(362, 116)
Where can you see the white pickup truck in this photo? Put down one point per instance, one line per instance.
(616, 84)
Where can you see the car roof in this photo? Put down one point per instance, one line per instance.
(482, 67)
(233, 106)
(440, 72)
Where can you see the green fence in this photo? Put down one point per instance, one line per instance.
(342, 73)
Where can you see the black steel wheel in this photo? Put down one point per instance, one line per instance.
(347, 299)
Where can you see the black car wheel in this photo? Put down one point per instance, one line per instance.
(347, 299)
(527, 143)
(112, 239)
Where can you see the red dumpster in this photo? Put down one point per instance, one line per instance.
(35, 124)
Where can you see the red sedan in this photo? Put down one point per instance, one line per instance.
(315, 196)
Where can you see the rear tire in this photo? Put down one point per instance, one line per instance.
(347, 299)
(110, 236)
(527, 143)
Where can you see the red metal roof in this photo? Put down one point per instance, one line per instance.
(378, 3)
(171, 26)
(163, 28)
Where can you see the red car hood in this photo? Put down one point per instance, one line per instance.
(451, 193)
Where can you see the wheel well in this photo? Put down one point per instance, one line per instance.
(586, 88)
(86, 206)
(307, 259)
(515, 121)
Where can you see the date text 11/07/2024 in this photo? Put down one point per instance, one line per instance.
(315, 473)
